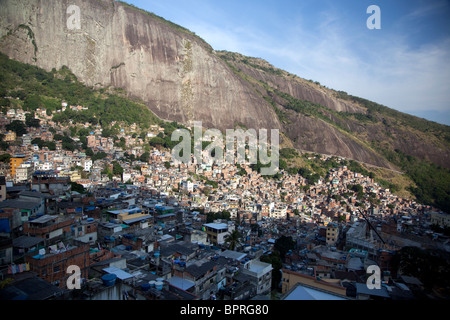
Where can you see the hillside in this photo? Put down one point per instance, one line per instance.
(125, 51)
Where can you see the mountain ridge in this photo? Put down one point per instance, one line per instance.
(179, 77)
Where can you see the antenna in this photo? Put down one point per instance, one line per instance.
(370, 225)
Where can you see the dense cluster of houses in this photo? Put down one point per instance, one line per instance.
(161, 230)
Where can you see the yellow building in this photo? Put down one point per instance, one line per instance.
(15, 162)
(291, 278)
(130, 218)
(74, 176)
(10, 136)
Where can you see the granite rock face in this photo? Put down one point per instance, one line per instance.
(109, 44)
(174, 72)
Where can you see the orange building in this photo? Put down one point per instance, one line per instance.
(16, 161)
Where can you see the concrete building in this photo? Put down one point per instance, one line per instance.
(2, 188)
(217, 232)
(291, 279)
(332, 234)
(9, 136)
(24, 172)
(260, 274)
(51, 264)
(49, 182)
(441, 219)
(50, 228)
(16, 161)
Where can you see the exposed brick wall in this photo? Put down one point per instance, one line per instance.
(53, 267)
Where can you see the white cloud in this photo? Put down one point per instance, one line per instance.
(381, 67)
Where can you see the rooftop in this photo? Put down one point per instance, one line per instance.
(304, 292)
(217, 226)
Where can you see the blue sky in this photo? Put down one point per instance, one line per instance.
(405, 65)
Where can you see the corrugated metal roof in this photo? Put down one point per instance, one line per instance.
(181, 283)
(122, 275)
(301, 292)
(362, 288)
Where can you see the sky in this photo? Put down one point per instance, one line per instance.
(404, 65)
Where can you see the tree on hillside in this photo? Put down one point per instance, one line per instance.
(117, 169)
(283, 245)
(18, 127)
(233, 239)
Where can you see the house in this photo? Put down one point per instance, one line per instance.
(49, 182)
(2, 188)
(24, 172)
(364, 293)
(24, 245)
(51, 264)
(332, 234)
(206, 276)
(217, 232)
(260, 274)
(34, 197)
(27, 286)
(291, 278)
(50, 228)
(441, 219)
(9, 136)
(304, 292)
(18, 211)
(85, 231)
(16, 161)
(6, 251)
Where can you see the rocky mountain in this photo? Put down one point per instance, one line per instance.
(181, 78)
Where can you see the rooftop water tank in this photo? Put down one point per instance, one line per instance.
(109, 280)
(159, 285)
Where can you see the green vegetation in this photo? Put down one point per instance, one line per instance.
(18, 127)
(430, 266)
(433, 182)
(233, 240)
(44, 144)
(224, 215)
(252, 62)
(77, 187)
(37, 88)
(439, 130)
(282, 246)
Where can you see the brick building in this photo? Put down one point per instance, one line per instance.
(52, 266)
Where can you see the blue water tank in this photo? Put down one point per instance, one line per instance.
(145, 287)
(109, 280)
(159, 285)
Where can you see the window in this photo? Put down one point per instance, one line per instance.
(56, 269)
